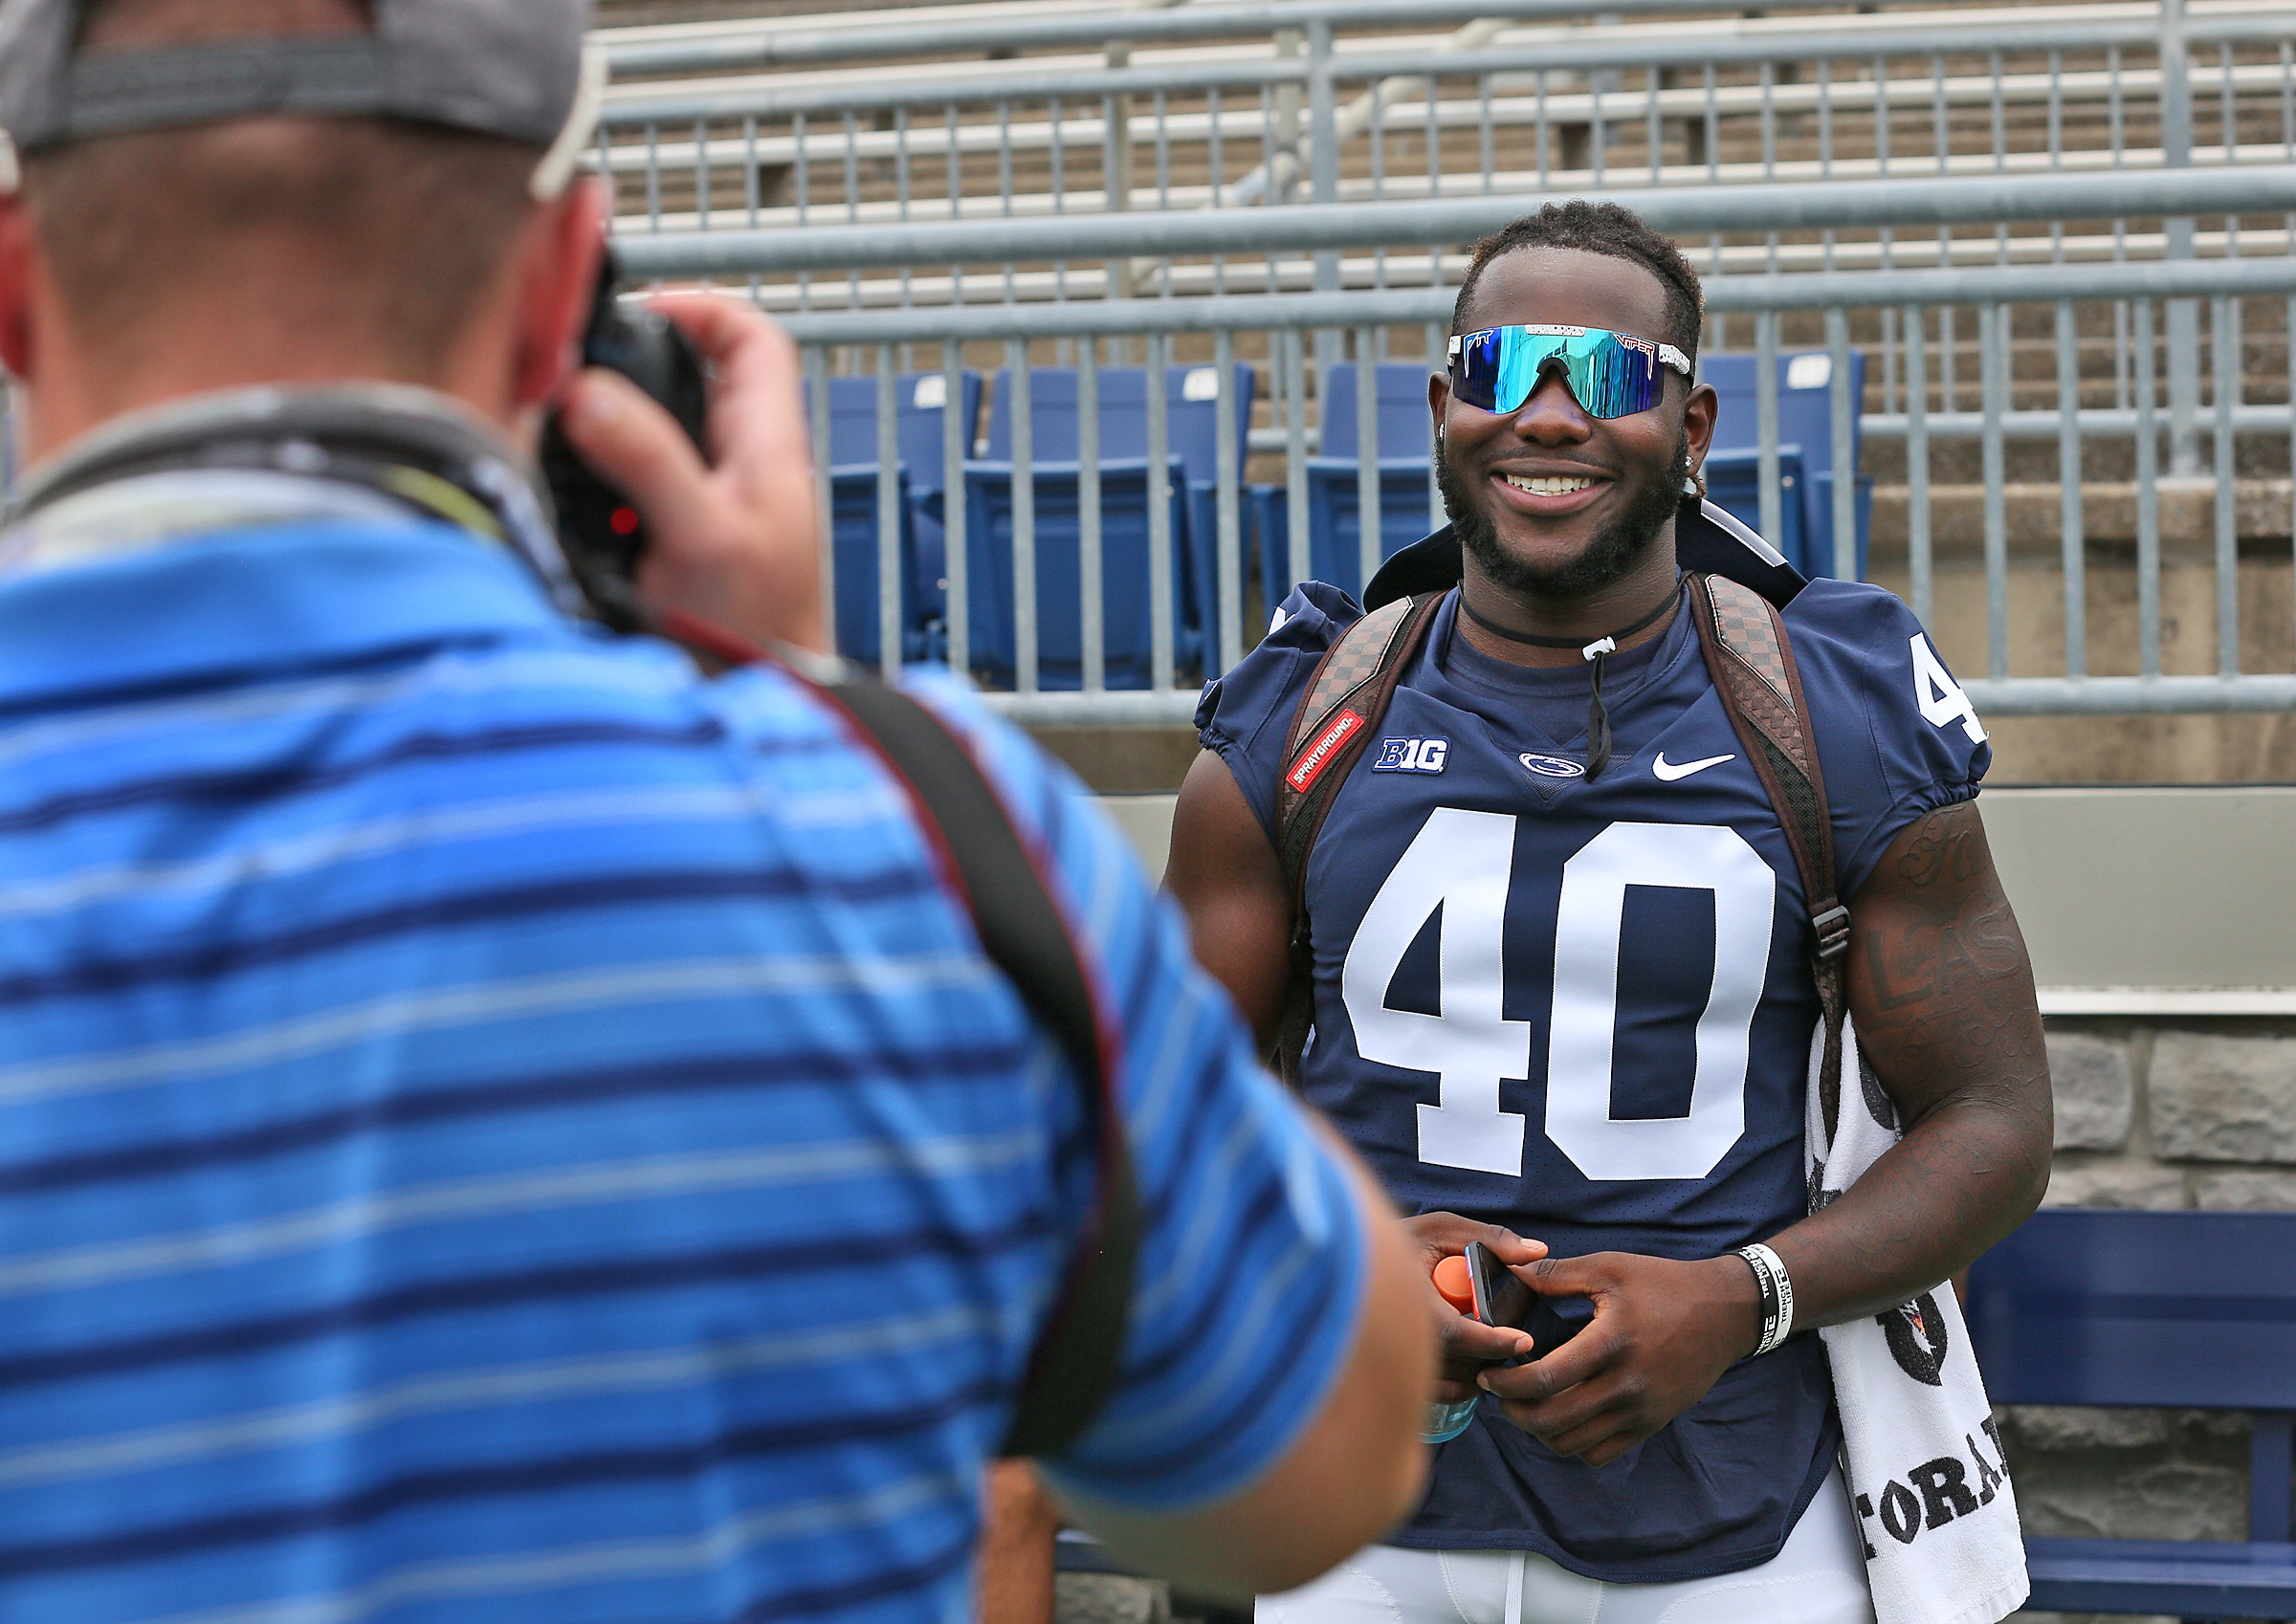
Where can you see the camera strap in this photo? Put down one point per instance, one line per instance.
(420, 451)
(986, 861)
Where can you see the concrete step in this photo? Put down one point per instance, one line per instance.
(2032, 515)
(2103, 460)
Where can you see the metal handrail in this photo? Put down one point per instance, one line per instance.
(764, 100)
(759, 49)
(669, 104)
(2124, 194)
(1820, 289)
(790, 48)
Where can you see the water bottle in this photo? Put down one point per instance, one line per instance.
(1446, 1421)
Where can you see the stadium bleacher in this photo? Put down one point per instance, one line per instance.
(1191, 432)
(1802, 399)
(1040, 116)
(856, 533)
(1408, 504)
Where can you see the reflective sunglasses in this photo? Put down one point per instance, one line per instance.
(1610, 374)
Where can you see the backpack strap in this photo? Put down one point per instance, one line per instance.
(1345, 702)
(1752, 665)
(983, 858)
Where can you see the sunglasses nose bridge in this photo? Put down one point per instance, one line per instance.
(1555, 367)
(1553, 410)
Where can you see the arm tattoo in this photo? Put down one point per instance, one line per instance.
(1941, 984)
(1942, 994)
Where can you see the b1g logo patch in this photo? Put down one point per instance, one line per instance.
(1412, 755)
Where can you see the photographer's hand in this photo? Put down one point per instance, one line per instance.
(737, 542)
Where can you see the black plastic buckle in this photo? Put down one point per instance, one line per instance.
(1833, 931)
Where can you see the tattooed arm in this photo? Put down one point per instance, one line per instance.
(1942, 995)
(1941, 991)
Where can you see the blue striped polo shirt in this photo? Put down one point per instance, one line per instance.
(496, 1126)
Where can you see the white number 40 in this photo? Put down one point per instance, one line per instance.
(1462, 864)
(1940, 697)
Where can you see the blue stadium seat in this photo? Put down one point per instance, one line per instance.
(918, 398)
(1192, 435)
(853, 545)
(1406, 426)
(1805, 418)
(1335, 521)
(1406, 442)
(1126, 622)
(2177, 1310)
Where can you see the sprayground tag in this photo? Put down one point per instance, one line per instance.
(1309, 766)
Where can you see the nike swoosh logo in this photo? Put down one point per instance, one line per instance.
(1667, 772)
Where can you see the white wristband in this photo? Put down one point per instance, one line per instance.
(1777, 1288)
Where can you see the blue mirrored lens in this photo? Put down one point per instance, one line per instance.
(1475, 373)
(1609, 374)
(1611, 377)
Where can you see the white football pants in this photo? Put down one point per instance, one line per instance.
(1819, 1578)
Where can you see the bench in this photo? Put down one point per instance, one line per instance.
(2179, 1311)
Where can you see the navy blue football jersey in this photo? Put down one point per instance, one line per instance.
(1584, 1010)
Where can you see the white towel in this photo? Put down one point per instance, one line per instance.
(1920, 1452)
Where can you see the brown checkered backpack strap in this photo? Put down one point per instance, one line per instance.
(1754, 670)
(1345, 702)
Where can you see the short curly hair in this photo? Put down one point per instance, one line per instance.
(1605, 229)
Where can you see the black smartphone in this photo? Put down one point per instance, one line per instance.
(1500, 1298)
(602, 534)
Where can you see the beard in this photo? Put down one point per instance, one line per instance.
(1613, 553)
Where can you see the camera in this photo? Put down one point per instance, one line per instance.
(602, 534)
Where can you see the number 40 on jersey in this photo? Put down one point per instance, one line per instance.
(1463, 862)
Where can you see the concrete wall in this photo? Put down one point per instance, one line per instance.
(2135, 901)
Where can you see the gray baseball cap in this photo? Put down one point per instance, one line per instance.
(508, 68)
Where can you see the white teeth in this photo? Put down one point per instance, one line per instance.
(1544, 486)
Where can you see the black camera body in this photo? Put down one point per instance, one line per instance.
(602, 534)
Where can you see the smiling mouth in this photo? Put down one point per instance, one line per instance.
(1558, 484)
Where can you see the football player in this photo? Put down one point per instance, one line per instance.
(1560, 962)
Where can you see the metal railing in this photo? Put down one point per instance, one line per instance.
(2133, 667)
(2070, 304)
(1282, 106)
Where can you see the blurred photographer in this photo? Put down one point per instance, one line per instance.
(496, 1123)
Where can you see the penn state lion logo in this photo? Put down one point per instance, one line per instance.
(1916, 1335)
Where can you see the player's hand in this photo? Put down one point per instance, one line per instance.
(1663, 1334)
(1467, 1347)
(735, 541)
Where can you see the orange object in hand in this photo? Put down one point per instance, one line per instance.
(1456, 1284)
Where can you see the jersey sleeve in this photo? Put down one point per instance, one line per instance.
(1246, 715)
(1896, 735)
(1252, 1257)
